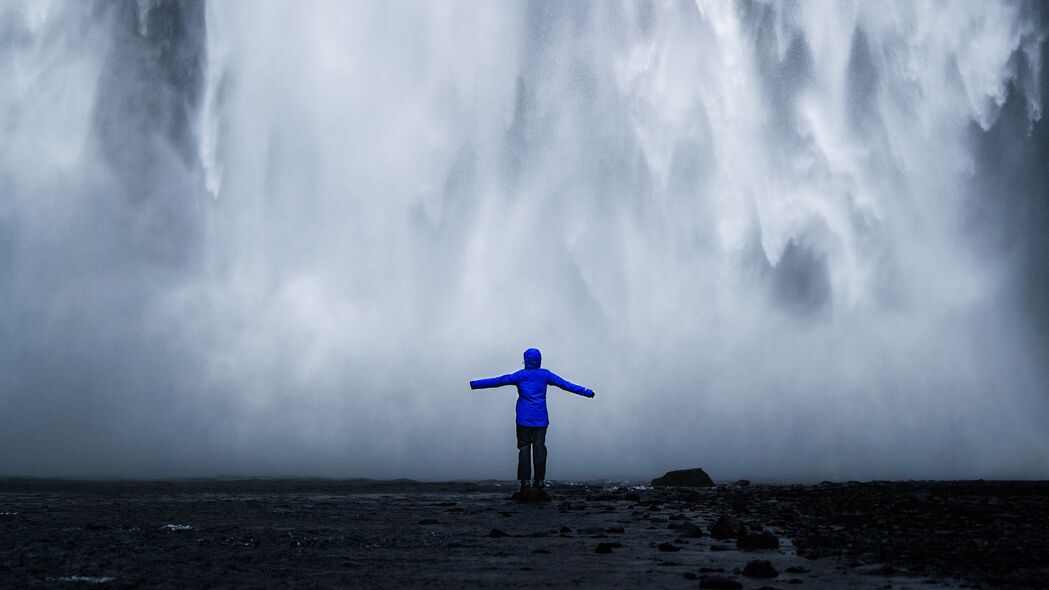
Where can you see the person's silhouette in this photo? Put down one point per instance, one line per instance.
(532, 418)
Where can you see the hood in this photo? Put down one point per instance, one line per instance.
(532, 358)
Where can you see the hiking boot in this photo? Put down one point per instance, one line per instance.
(538, 484)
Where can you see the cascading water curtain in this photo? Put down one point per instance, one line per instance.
(781, 240)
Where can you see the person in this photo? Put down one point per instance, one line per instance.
(532, 418)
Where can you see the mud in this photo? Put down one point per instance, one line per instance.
(359, 533)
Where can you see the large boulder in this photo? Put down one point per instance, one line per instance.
(689, 478)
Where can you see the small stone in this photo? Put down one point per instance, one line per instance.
(429, 521)
(497, 533)
(762, 540)
(668, 547)
(564, 530)
(719, 582)
(760, 568)
(689, 531)
(877, 570)
(727, 527)
(607, 547)
(797, 569)
(531, 496)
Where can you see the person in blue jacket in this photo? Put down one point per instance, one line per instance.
(532, 419)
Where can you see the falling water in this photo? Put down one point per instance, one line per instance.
(782, 241)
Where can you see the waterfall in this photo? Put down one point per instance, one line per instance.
(780, 240)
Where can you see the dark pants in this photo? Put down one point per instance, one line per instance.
(531, 445)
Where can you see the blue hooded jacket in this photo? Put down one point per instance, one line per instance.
(531, 385)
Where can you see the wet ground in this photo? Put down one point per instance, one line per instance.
(320, 533)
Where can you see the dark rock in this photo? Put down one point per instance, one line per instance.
(531, 496)
(615, 530)
(797, 569)
(690, 576)
(719, 582)
(727, 527)
(762, 540)
(743, 483)
(677, 517)
(809, 546)
(812, 541)
(708, 570)
(668, 547)
(760, 568)
(716, 547)
(877, 570)
(689, 531)
(695, 478)
(607, 547)
(564, 530)
(429, 521)
(541, 550)
(497, 533)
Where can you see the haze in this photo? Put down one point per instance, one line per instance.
(786, 242)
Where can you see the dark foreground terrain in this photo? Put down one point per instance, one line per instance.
(405, 534)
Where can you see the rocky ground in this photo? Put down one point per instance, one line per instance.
(396, 534)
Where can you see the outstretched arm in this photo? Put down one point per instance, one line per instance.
(493, 382)
(567, 386)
